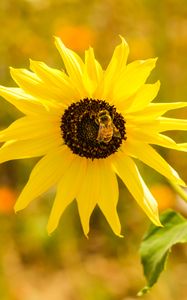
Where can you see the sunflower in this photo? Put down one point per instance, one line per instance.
(88, 125)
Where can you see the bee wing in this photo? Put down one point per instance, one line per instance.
(116, 132)
(99, 136)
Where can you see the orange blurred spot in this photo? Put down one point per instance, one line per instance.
(164, 195)
(75, 37)
(7, 199)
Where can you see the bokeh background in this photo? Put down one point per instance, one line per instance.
(67, 266)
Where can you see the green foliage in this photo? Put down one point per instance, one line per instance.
(157, 244)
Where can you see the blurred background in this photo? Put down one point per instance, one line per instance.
(67, 266)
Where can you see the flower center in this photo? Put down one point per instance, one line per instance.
(92, 128)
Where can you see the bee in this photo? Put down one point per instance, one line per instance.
(107, 129)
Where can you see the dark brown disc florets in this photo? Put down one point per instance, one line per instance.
(81, 127)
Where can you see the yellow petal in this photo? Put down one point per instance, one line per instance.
(88, 194)
(109, 194)
(33, 85)
(116, 65)
(133, 77)
(73, 63)
(128, 172)
(31, 127)
(172, 124)
(141, 98)
(165, 141)
(47, 172)
(149, 156)
(55, 78)
(49, 75)
(67, 190)
(155, 110)
(22, 101)
(93, 68)
(28, 148)
(118, 60)
(154, 138)
(183, 146)
(93, 72)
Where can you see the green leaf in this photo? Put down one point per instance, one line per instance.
(157, 244)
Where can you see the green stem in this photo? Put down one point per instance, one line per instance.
(180, 191)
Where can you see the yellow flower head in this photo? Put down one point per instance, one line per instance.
(88, 125)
